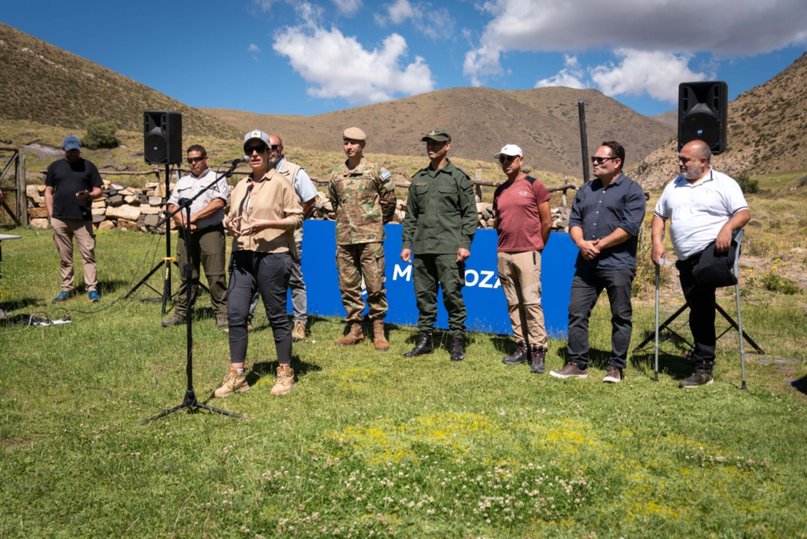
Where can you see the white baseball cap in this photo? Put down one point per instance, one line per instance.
(511, 150)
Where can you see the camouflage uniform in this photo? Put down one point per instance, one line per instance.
(364, 199)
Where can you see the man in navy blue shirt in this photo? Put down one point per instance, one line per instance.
(605, 220)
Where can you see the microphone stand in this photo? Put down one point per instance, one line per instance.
(190, 402)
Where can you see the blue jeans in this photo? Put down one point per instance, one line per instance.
(268, 274)
(586, 288)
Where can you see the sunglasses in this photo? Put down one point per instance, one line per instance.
(260, 148)
(194, 160)
(506, 158)
(597, 160)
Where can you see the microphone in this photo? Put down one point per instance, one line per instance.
(242, 159)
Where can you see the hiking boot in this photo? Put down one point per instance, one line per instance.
(538, 360)
(222, 321)
(613, 375)
(176, 320)
(298, 331)
(379, 340)
(62, 296)
(518, 357)
(699, 378)
(571, 370)
(457, 347)
(284, 382)
(423, 346)
(354, 336)
(94, 296)
(234, 382)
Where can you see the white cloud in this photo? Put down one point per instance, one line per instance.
(653, 72)
(422, 17)
(254, 50)
(571, 76)
(347, 7)
(338, 66)
(722, 27)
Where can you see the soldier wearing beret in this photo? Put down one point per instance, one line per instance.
(439, 227)
(363, 196)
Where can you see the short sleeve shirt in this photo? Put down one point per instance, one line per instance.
(68, 178)
(189, 186)
(518, 221)
(698, 210)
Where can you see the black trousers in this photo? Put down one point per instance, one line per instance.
(701, 301)
(268, 273)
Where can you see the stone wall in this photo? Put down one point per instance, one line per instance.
(131, 208)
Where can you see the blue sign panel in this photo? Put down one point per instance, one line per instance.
(484, 299)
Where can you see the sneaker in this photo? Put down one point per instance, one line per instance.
(698, 378)
(232, 383)
(63, 296)
(613, 375)
(571, 370)
(176, 320)
(284, 382)
(518, 357)
(298, 332)
(94, 296)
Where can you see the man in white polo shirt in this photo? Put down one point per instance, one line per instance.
(703, 206)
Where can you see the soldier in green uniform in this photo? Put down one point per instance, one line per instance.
(364, 199)
(439, 227)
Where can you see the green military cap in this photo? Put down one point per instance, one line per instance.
(437, 135)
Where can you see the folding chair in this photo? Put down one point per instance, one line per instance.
(737, 237)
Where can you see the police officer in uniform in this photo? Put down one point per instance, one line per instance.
(438, 230)
(364, 199)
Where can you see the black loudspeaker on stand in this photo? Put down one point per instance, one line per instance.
(190, 402)
(162, 145)
(703, 113)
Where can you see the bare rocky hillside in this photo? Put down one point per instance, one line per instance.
(767, 126)
(544, 122)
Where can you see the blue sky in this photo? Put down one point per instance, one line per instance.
(311, 57)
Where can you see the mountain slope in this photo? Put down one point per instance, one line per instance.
(42, 83)
(544, 122)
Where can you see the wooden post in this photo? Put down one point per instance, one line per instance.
(22, 197)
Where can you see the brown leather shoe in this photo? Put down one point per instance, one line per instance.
(380, 342)
(354, 336)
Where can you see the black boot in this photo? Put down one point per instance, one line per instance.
(457, 348)
(518, 357)
(423, 346)
(538, 363)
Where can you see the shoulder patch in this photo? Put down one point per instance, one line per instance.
(384, 174)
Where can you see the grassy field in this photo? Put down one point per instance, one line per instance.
(373, 444)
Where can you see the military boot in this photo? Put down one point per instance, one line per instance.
(423, 346)
(457, 347)
(354, 336)
(379, 340)
(284, 381)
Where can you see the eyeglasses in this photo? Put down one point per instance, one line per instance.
(507, 158)
(274, 147)
(260, 148)
(194, 160)
(596, 159)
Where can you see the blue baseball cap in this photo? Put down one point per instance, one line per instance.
(71, 142)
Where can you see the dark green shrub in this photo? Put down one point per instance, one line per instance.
(748, 185)
(100, 134)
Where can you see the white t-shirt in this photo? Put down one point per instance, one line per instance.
(188, 186)
(697, 211)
